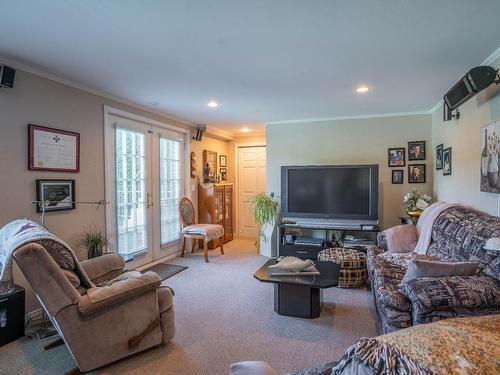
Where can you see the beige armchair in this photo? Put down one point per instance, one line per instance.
(102, 313)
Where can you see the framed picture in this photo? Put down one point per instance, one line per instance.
(447, 162)
(416, 150)
(396, 157)
(53, 149)
(57, 194)
(223, 161)
(416, 173)
(439, 157)
(490, 151)
(397, 176)
(209, 166)
(223, 174)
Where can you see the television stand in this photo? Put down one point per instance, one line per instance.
(364, 236)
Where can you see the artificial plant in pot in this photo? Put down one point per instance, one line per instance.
(95, 241)
(265, 211)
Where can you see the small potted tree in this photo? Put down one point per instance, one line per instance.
(265, 212)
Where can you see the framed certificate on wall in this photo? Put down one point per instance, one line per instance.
(53, 149)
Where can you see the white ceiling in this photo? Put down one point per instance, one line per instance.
(262, 60)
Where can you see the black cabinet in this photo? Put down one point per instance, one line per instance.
(300, 251)
(12, 315)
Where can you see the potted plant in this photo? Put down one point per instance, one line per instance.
(415, 202)
(265, 211)
(95, 241)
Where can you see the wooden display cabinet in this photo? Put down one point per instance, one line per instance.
(216, 206)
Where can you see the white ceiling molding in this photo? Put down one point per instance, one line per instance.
(495, 55)
(489, 60)
(437, 106)
(220, 134)
(40, 73)
(339, 118)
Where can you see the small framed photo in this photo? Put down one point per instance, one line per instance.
(397, 176)
(223, 161)
(439, 157)
(416, 150)
(416, 173)
(447, 163)
(223, 174)
(57, 195)
(396, 157)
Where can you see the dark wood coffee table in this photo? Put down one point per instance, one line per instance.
(300, 296)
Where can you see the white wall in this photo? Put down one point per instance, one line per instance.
(360, 141)
(463, 135)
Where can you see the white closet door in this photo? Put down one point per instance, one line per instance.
(251, 180)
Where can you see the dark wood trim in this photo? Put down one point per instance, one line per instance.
(134, 341)
(54, 344)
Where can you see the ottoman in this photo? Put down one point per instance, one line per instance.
(353, 272)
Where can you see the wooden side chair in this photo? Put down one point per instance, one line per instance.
(193, 231)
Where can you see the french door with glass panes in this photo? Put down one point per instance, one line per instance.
(144, 182)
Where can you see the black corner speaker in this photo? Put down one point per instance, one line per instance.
(7, 75)
(475, 80)
(199, 133)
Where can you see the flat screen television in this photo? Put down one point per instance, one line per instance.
(338, 192)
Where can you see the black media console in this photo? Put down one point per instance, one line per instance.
(307, 248)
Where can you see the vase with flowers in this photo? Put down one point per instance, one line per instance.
(415, 202)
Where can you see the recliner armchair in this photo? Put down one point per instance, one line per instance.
(115, 315)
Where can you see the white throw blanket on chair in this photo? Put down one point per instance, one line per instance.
(425, 223)
(16, 234)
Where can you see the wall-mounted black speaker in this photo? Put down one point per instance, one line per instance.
(7, 75)
(475, 80)
(199, 133)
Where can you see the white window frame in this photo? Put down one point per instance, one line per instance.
(109, 171)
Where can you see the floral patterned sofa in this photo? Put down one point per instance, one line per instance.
(458, 235)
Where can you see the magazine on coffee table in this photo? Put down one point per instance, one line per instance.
(309, 271)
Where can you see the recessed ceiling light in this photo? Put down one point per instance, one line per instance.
(362, 89)
(245, 130)
(212, 104)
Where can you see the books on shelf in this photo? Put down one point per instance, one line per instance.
(309, 271)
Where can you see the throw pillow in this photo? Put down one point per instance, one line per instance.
(251, 368)
(401, 239)
(429, 268)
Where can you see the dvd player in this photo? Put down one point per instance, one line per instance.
(309, 241)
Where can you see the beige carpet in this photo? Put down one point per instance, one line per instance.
(224, 315)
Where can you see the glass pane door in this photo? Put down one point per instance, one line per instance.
(170, 190)
(131, 194)
(144, 181)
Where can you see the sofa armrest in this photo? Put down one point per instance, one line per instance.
(382, 241)
(103, 268)
(100, 298)
(452, 293)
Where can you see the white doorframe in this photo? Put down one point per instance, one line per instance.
(236, 179)
(109, 165)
